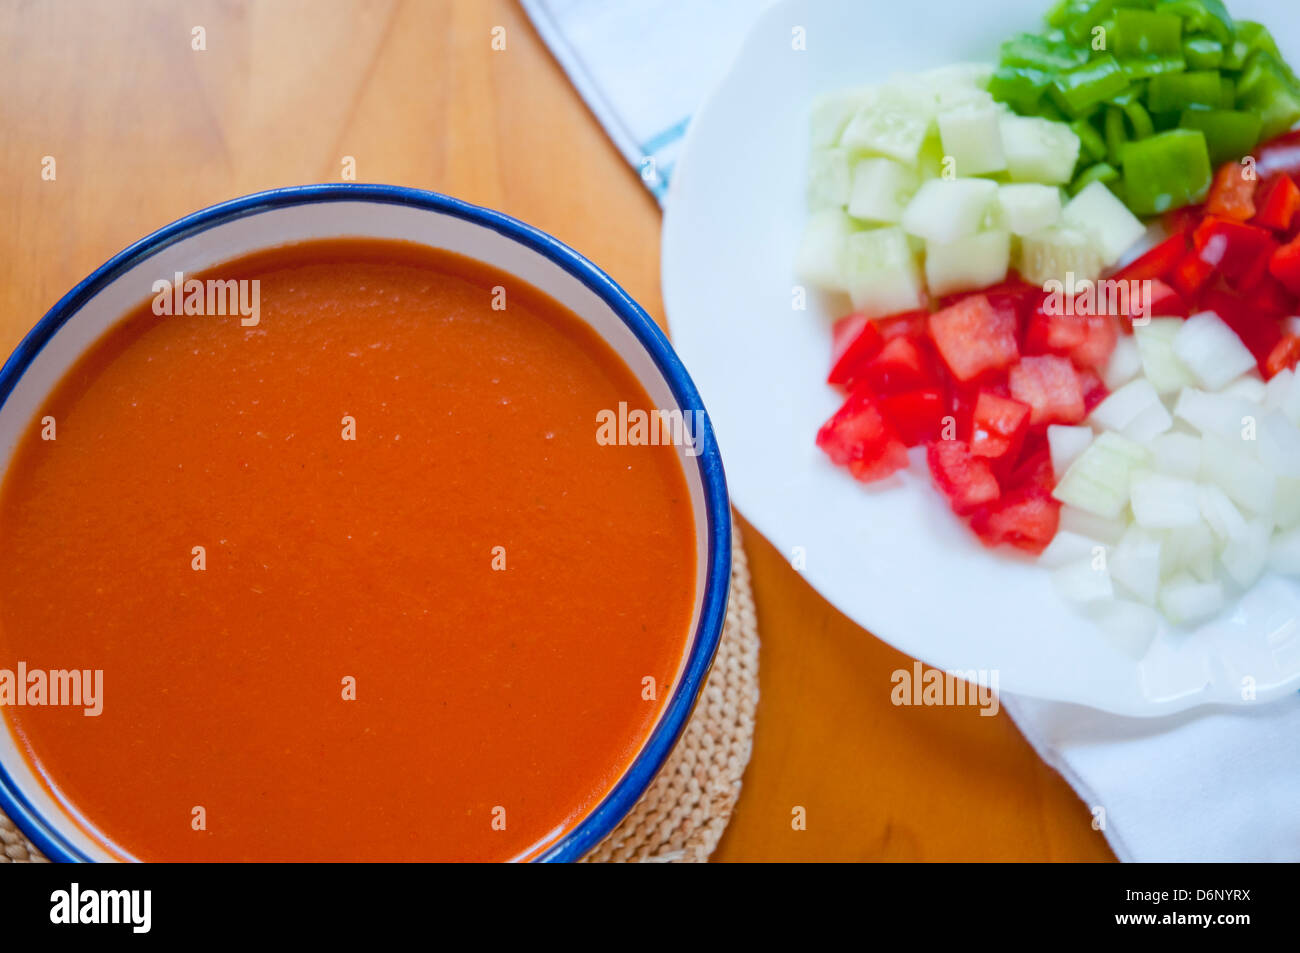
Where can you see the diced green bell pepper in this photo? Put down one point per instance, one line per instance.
(1229, 133)
(1116, 134)
(1174, 92)
(1140, 120)
(1020, 87)
(1092, 147)
(1141, 33)
(1165, 171)
(1265, 89)
(1201, 16)
(1100, 172)
(1201, 52)
(1079, 89)
(1040, 53)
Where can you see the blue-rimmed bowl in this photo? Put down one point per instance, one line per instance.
(282, 216)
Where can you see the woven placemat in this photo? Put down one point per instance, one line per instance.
(685, 811)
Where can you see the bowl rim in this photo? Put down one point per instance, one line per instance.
(637, 777)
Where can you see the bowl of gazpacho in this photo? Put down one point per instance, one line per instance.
(349, 522)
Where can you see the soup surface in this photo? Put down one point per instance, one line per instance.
(426, 641)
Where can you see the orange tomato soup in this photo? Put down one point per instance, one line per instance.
(494, 582)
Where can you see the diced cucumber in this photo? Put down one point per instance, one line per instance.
(881, 188)
(1038, 150)
(1054, 253)
(894, 124)
(975, 261)
(829, 178)
(971, 134)
(1112, 226)
(880, 272)
(944, 210)
(1155, 341)
(821, 249)
(1027, 208)
(832, 111)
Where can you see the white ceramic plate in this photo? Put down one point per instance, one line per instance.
(892, 557)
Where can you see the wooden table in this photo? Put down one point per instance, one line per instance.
(144, 128)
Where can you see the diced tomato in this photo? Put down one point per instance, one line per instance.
(1229, 246)
(859, 437)
(1050, 386)
(1280, 155)
(1052, 333)
(998, 426)
(966, 480)
(1285, 355)
(1159, 262)
(974, 337)
(1285, 266)
(911, 324)
(1026, 518)
(1100, 332)
(1279, 201)
(1014, 292)
(900, 366)
(854, 341)
(916, 415)
(1259, 332)
(1232, 194)
(1191, 274)
(1094, 391)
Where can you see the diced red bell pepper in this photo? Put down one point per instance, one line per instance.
(1100, 334)
(1232, 194)
(1183, 219)
(1050, 386)
(966, 480)
(854, 341)
(1191, 274)
(1279, 201)
(998, 426)
(1229, 246)
(916, 415)
(900, 366)
(1026, 516)
(859, 437)
(1094, 391)
(1159, 262)
(974, 337)
(1285, 266)
(1280, 155)
(1165, 301)
(1285, 354)
(1259, 332)
(1249, 279)
(1269, 297)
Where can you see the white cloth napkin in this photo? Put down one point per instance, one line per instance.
(1216, 786)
